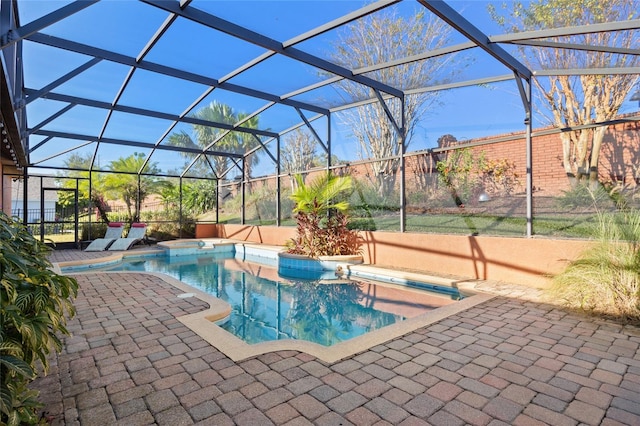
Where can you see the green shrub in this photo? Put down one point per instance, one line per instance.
(98, 229)
(34, 301)
(581, 197)
(458, 174)
(605, 280)
(164, 225)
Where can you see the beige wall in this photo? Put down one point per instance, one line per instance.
(5, 187)
(8, 172)
(526, 261)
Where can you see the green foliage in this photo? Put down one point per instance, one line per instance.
(464, 175)
(200, 196)
(581, 196)
(98, 229)
(323, 194)
(34, 301)
(458, 174)
(164, 225)
(321, 218)
(221, 139)
(605, 280)
(131, 186)
(90, 185)
(124, 184)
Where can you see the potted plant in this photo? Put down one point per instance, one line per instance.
(323, 240)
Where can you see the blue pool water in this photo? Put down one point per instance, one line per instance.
(268, 307)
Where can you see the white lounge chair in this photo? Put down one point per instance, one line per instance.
(136, 234)
(114, 231)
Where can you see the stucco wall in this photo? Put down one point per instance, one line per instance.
(526, 261)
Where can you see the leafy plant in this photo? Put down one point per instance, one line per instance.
(33, 303)
(465, 174)
(605, 279)
(129, 184)
(97, 229)
(499, 176)
(580, 196)
(322, 219)
(200, 196)
(458, 173)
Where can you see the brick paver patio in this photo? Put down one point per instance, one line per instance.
(504, 362)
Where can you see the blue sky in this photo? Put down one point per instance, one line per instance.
(125, 27)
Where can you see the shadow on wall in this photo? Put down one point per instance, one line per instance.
(527, 261)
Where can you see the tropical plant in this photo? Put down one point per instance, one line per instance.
(130, 184)
(322, 218)
(34, 301)
(90, 185)
(325, 193)
(199, 196)
(605, 279)
(218, 139)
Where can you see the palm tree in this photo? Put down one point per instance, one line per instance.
(223, 140)
(131, 186)
(318, 233)
(321, 195)
(90, 184)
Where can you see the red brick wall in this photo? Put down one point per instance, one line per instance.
(619, 157)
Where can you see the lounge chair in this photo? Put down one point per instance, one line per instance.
(114, 231)
(136, 234)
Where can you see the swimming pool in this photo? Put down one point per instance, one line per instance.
(267, 307)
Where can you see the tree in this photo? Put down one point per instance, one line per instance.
(225, 141)
(576, 100)
(199, 196)
(130, 185)
(298, 154)
(92, 191)
(381, 38)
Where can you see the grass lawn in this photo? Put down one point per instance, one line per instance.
(559, 226)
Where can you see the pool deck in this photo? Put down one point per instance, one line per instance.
(511, 360)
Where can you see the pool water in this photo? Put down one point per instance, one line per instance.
(268, 307)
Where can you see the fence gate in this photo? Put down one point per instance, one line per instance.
(59, 225)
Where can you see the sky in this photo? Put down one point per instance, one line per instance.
(125, 27)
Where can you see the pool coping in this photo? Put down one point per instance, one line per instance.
(203, 323)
